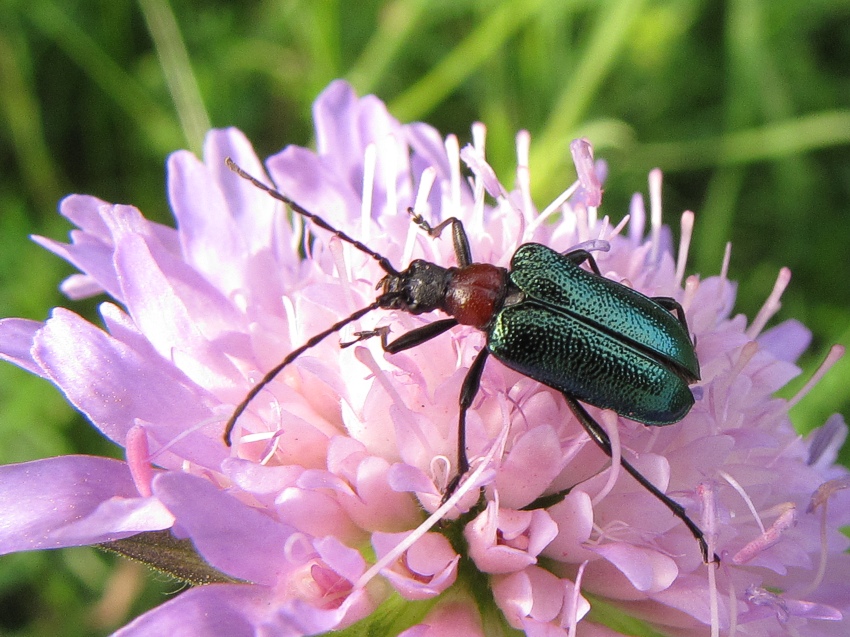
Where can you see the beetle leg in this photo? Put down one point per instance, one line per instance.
(600, 437)
(580, 256)
(675, 308)
(366, 335)
(461, 242)
(416, 336)
(407, 340)
(468, 391)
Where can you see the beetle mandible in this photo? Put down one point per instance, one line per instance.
(592, 339)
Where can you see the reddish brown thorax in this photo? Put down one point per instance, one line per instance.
(474, 293)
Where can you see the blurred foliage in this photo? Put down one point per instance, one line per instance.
(745, 104)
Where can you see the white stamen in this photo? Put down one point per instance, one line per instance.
(478, 202)
(747, 500)
(523, 175)
(654, 433)
(820, 499)
(212, 420)
(392, 151)
(733, 603)
(602, 227)
(369, 160)
(453, 153)
(771, 305)
(471, 482)
(619, 227)
(272, 448)
(240, 301)
(420, 204)
(687, 226)
(440, 467)
(691, 287)
(410, 242)
(610, 424)
(655, 212)
(713, 601)
(343, 267)
(582, 225)
(592, 216)
(479, 137)
(724, 267)
(575, 598)
(748, 351)
(787, 518)
(425, 184)
(637, 214)
(834, 355)
(708, 500)
(549, 210)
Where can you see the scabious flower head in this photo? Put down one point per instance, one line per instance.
(327, 507)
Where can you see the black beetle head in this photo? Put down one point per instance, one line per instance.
(420, 288)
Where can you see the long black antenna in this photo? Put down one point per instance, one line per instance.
(270, 376)
(382, 260)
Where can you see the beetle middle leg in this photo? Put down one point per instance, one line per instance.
(468, 391)
(600, 437)
(581, 256)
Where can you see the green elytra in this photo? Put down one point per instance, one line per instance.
(596, 339)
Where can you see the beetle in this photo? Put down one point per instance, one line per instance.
(594, 340)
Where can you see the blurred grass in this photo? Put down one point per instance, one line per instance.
(745, 104)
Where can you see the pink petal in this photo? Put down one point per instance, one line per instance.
(71, 501)
(425, 570)
(449, 620)
(210, 611)
(504, 540)
(239, 540)
(113, 385)
(574, 517)
(648, 571)
(787, 341)
(530, 466)
(16, 338)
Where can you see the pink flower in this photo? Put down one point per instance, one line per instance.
(330, 497)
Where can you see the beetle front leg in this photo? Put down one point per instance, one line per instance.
(600, 437)
(407, 340)
(463, 253)
(468, 391)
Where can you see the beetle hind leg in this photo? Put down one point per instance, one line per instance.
(675, 308)
(600, 437)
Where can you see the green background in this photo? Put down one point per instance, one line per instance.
(744, 104)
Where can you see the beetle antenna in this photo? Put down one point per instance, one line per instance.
(316, 219)
(271, 374)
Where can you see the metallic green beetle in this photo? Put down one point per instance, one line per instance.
(591, 338)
